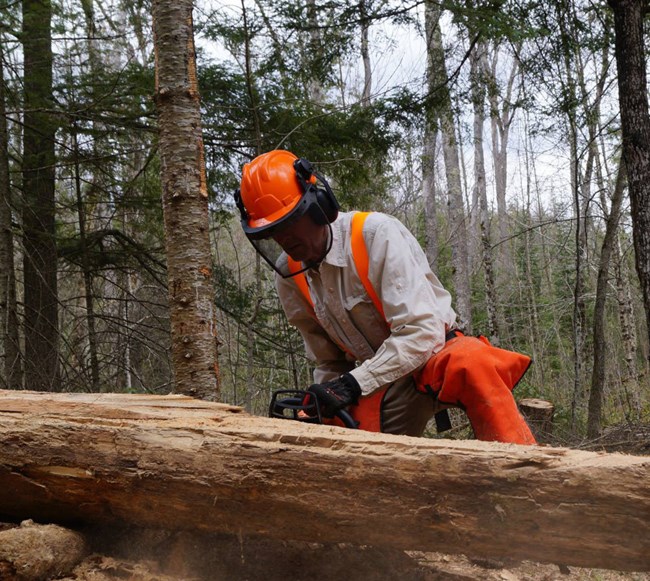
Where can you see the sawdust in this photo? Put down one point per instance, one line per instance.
(424, 567)
(262, 560)
(102, 568)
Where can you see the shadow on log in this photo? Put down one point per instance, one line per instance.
(181, 464)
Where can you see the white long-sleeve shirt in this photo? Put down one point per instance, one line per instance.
(348, 334)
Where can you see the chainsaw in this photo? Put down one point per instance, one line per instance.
(302, 406)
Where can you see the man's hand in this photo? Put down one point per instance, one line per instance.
(335, 395)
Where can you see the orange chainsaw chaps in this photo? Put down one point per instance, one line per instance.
(471, 374)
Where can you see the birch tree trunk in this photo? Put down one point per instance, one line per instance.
(40, 259)
(635, 121)
(185, 202)
(501, 118)
(365, 54)
(12, 366)
(457, 225)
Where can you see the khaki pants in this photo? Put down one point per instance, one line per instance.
(405, 410)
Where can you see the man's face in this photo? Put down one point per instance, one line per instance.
(305, 241)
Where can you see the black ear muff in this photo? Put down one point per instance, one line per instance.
(324, 208)
(240, 206)
(326, 199)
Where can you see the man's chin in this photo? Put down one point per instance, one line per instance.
(297, 255)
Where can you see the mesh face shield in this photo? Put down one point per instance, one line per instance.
(277, 255)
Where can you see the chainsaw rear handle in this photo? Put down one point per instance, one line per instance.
(347, 419)
(290, 404)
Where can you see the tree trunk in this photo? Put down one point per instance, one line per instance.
(594, 419)
(478, 64)
(40, 259)
(12, 365)
(365, 53)
(627, 323)
(85, 265)
(175, 462)
(314, 86)
(430, 200)
(635, 123)
(185, 202)
(457, 225)
(579, 187)
(501, 118)
(528, 289)
(432, 15)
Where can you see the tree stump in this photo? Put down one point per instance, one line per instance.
(539, 415)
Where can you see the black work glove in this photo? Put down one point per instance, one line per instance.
(335, 395)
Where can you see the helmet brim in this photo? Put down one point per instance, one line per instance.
(269, 226)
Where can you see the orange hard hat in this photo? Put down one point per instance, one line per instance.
(270, 188)
(277, 189)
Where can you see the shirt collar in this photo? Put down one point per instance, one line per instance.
(336, 255)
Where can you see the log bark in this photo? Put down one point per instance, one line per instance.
(174, 462)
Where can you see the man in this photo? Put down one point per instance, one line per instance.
(375, 319)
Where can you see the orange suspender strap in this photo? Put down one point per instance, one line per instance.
(300, 280)
(361, 259)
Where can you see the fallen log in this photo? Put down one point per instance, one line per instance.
(176, 463)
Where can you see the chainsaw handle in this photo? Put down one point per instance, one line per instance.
(347, 419)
